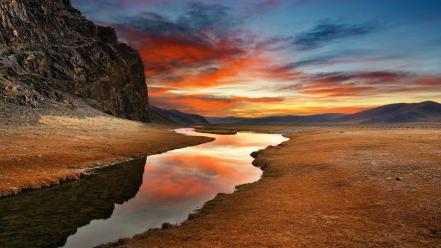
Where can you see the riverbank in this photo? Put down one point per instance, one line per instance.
(54, 149)
(327, 187)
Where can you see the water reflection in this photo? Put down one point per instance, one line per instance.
(173, 185)
(47, 217)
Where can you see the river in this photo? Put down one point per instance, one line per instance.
(131, 197)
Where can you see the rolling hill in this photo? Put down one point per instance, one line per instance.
(166, 116)
(287, 119)
(428, 111)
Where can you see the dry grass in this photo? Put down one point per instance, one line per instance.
(328, 187)
(60, 148)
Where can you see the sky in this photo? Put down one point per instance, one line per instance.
(254, 58)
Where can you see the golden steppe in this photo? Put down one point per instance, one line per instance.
(328, 186)
(59, 148)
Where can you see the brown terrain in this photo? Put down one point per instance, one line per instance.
(59, 148)
(333, 186)
(328, 186)
(61, 79)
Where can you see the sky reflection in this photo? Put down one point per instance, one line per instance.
(178, 182)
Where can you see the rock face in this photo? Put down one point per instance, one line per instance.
(48, 51)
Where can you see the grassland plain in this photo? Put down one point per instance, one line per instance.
(59, 148)
(328, 186)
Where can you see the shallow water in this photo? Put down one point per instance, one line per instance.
(131, 197)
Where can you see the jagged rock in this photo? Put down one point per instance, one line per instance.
(48, 49)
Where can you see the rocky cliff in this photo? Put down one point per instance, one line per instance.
(50, 53)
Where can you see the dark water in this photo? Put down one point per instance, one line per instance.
(47, 217)
(131, 197)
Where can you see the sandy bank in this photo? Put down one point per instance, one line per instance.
(40, 154)
(327, 187)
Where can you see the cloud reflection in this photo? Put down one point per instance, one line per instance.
(176, 183)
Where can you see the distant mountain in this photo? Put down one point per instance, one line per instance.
(428, 111)
(287, 119)
(166, 116)
(397, 113)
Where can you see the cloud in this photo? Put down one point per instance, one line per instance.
(199, 21)
(166, 54)
(371, 83)
(349, 57)
(203, 47)
(371, 76)
(199, 47)
(338, 84)
(193, 49)
(116, 4)
(327, 31)
(284, 72)
(206, 17)
(206, 104)
(260, 6)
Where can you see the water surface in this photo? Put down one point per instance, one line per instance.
(132, 197)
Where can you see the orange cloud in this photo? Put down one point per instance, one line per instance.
(224, 72)
(282, 73)
(180, 60)
(156, 91)
(343, 110)
(367, 84)
(169, 53)
(207, 105)
(196, 103)
(348, 90)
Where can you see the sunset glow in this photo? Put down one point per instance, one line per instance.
(275, 57)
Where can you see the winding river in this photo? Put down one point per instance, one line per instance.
(131, 197)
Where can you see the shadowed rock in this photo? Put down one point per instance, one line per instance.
(48, 51)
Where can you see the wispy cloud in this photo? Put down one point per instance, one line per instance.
(209, 105)
(204, 56)
(203, 47)
(371, 83)
(203, 41)
(328, 31)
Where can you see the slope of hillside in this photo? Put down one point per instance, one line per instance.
(428, 111)
(165, 116)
